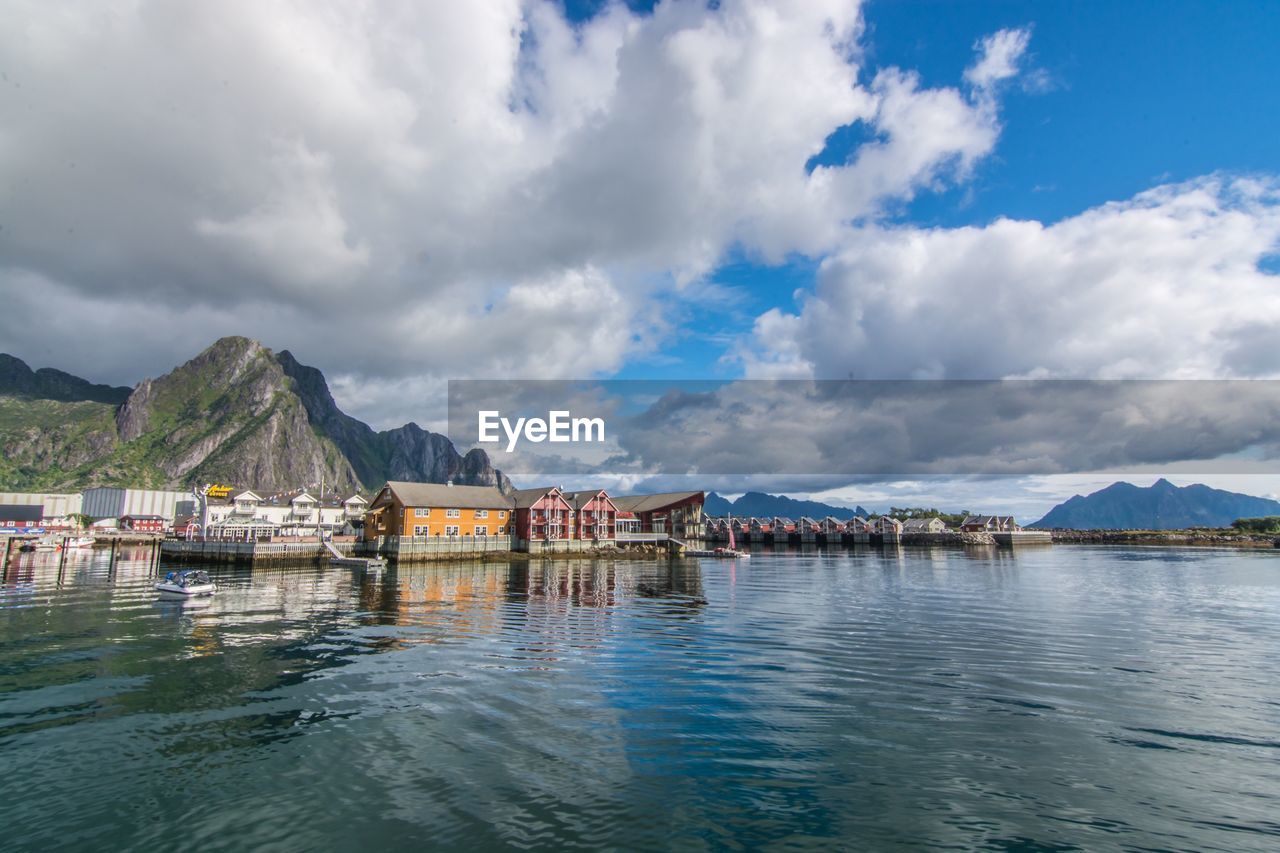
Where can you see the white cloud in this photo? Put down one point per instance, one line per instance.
(999, 58)
(1165, 285)
(431, 189)
(296, 238)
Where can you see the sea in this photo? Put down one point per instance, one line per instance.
(1039, 699)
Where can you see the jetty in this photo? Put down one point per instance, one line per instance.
(339, 560)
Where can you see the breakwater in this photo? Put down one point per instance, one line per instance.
(1195, 537)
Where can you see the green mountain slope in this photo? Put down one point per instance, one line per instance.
(236, 413)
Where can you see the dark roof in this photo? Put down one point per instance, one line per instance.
(650, 503)
(21, 512)
(584, 496)
(449, 497)
(525, 498)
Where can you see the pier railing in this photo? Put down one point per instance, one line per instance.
(641, 536)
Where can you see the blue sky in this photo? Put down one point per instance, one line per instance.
(1122, 97)
(1138, 93)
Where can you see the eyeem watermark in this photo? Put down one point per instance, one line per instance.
(559, 426)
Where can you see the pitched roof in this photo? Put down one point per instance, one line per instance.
(582, 497)
(446, 496)
(525, 498)
(649, 503)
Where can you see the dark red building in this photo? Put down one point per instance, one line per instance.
(143, 523)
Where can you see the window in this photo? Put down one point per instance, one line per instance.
(451, 530)
(502, 513)
(500, 531)
(421, 530)
(453, 513)
(482, 513)
(482, 530)
(423, 512)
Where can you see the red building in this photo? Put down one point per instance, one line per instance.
(143, 523)
(595, 515)
(542, 515)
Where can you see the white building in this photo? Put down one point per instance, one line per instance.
(299, 513)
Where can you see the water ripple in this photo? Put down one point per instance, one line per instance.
(1057, 699)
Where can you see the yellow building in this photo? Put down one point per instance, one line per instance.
(435, 509)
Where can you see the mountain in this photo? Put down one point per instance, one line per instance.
(1161, 506)
(760, 505)
(235, 413)
(19, 380)
(405, 453)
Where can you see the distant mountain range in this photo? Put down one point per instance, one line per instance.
(760, 505)
(237, 413)
(1161, 506)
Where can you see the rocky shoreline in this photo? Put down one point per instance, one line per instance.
(1198, 537)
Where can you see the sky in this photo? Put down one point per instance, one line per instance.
(404, 193)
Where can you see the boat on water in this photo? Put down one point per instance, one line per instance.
(80, 542)
(721, 553)
(730, 553)
(187, 582)
(47, 544)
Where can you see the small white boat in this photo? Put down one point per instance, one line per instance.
(719, 553)
(47, 545)
(80, 542)
(187, 582)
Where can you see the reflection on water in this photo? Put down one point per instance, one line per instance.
(1049, 699)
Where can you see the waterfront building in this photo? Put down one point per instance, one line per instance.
(144, 523)
(887, 526)
(543, 514)
(438, 510)
(232, 512)
(924, 525)
(56, 509)
(21, 518)
(595, 515)
(678, 514)
(989, 524)
(114, 503)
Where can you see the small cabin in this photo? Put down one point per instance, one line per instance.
(924, 525)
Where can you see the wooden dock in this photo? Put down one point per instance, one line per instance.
(339, 560)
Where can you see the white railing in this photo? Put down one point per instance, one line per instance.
(635, 536)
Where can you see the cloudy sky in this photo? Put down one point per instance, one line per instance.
(407, 192)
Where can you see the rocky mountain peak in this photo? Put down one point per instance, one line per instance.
(237, 413)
